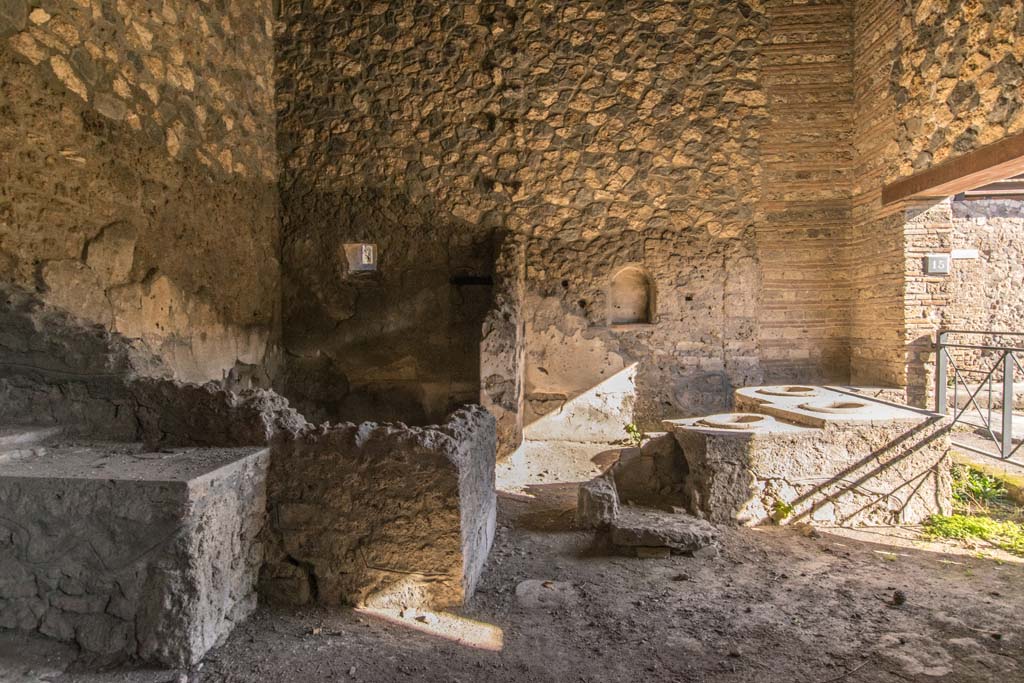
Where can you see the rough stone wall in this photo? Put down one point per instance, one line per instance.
(59, 370)
(137, 172)
(396, 127)
(503, 346)
(749, 282)
(933, 80)
(585, 379)
(987, 293)
(957, 79)
(650, 158)
(655, 125)
(381, 515)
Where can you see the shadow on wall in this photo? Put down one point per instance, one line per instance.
(900, 494)
(597, 414)
(679, 305)
(398, 343)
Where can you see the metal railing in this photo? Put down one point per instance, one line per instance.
(1005, 362)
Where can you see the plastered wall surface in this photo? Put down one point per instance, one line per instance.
(138, 171)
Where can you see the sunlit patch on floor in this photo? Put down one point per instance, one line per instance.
(451, 627)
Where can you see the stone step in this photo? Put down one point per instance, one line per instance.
(649, 528)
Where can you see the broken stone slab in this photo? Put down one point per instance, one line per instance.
(127, 552)
(637, 527)
(597, 504)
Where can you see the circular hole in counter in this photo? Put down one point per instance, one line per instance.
(734, 421)
(835, 407)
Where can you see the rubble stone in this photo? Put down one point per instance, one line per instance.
(597, 504)
(381, 515)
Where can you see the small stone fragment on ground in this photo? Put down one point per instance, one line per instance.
(535, 593)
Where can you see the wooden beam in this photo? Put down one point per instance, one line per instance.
(987, 164)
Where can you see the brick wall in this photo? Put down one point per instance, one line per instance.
(807, 154)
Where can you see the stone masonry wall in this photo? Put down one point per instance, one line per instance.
(59, 370)
(654, 125)
(381, 514)
(934, 80)
(988, 292)
(396, 127)
(956, 80)
(585, 379)
(138, 172)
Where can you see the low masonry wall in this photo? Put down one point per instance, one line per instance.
(382, 515)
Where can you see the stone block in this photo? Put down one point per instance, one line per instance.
(381, 515)
(129, 553)
(636, 527)
(597, 504)
(653, 475)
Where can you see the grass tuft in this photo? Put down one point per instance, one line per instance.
(972, 487)
(1007, 534)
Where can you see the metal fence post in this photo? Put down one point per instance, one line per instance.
(941, 370)
(1007, 440)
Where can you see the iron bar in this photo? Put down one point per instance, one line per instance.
(1006, 358)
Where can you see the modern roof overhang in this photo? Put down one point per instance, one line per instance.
(998, 167)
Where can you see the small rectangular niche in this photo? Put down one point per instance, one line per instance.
(361, 257)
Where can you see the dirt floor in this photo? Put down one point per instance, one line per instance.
(790, 605)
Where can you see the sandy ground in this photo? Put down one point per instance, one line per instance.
(788, 605)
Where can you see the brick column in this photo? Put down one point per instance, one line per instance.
(928, 228)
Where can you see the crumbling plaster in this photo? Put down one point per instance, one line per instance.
(138, 172)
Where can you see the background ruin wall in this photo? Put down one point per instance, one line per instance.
(732, 152)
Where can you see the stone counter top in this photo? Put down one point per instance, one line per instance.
(116, 461)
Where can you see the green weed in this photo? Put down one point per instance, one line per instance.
(972, 487)
(635, 434)
(1008, 535)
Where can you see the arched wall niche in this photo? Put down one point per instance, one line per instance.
(631, 297)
